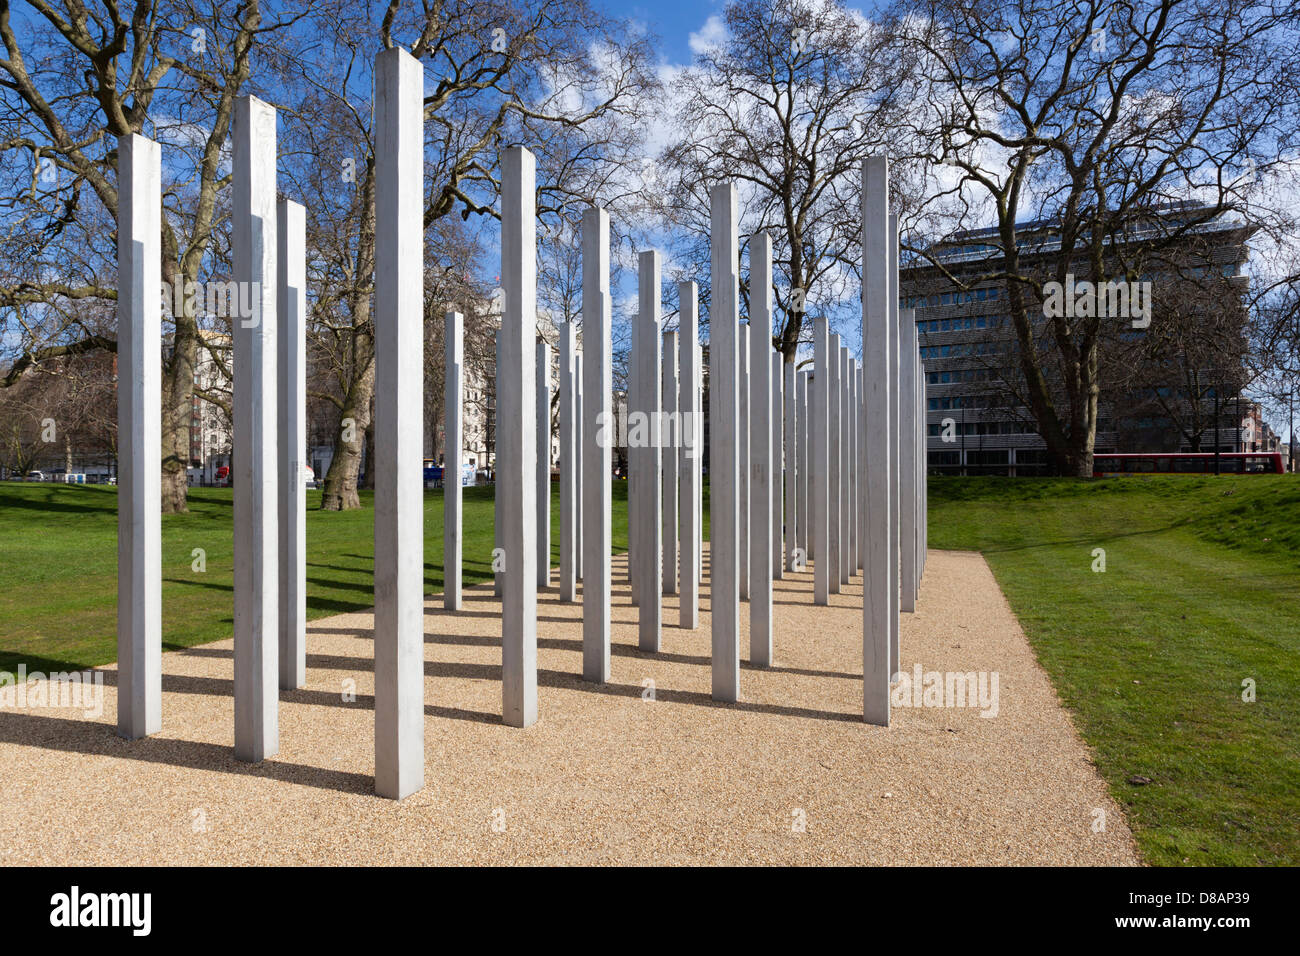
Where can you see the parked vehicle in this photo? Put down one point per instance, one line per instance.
(434, 474)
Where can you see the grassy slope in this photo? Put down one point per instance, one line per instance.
(1201, 591)
(58, 566)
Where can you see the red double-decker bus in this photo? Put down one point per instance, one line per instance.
(1198, 463)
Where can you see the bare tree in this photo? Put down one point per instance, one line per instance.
(74, 79)
(452, 283)
(1274, 330)
(788, 106)
(1095, 117)
(58, 411)
(1180, 369)
(567, 81)
(23, 413)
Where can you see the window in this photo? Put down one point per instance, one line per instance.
(1030, 456)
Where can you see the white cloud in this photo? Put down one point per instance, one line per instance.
(711, 36)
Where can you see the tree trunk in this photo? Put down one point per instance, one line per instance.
(178, 402)
(175, 448)
(341, 480)
(1083, 465)
(368, 476)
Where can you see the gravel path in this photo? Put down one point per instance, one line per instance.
(790, 775)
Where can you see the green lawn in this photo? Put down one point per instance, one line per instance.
(58, 568)
(1201, 592)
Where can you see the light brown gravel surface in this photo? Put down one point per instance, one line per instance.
(605, 776)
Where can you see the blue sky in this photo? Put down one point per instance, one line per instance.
(671, 21)
(674, 21)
